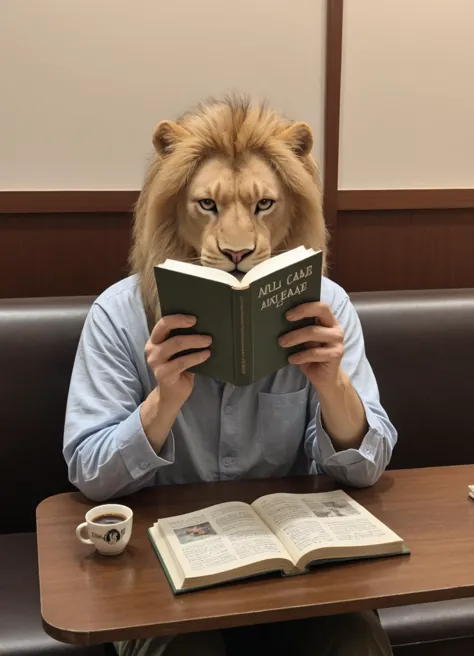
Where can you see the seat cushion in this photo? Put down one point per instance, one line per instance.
(440, 620)
(21, 632)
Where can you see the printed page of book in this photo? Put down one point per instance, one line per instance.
(208, 273)
(276, 263)
(326, 521)
(221, 538)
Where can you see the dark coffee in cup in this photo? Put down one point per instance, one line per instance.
(109, 518)
(108, 528)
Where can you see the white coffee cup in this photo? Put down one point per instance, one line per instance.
(109, 537)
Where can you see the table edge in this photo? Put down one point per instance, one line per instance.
(48, 500)
(242, 618)
(88, 637)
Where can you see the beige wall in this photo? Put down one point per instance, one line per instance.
(83, 83)
(407, 94)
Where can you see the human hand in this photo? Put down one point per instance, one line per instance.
(324, 344)
(175, 382)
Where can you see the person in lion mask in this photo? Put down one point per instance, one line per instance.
(230, 184)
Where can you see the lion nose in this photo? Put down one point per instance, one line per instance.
(237, 256)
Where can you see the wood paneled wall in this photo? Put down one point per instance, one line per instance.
(76, 242)
(405, 249)
(83, 253)
(394, 238)
(62, 254)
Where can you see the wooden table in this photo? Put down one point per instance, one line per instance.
(88, 598)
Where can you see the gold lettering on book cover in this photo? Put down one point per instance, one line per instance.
(292, 288)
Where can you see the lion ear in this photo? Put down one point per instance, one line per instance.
(166, 137)
(299, 138)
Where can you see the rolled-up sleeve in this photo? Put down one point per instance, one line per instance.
(105, 446)
(363, 466)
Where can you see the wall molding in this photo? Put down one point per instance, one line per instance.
(332, 108)
(345, 200)
(404, 199)
(53, 202)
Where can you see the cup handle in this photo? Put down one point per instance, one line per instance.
(79, 535)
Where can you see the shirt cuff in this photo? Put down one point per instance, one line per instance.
(137, 453)
(327, 454)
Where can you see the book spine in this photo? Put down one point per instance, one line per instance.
(242, 323)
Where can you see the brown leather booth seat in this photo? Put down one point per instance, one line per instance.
(21, 633)
(421, 346)
(38, 339)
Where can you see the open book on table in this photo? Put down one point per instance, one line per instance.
(278, 532)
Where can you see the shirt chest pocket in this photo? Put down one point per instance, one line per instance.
(281, 425)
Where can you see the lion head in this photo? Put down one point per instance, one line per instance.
(230, 185)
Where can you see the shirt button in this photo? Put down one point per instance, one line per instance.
(228, 409)
(226, 461)
(143, 464)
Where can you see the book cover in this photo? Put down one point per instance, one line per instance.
(244, 322)
(267, 573)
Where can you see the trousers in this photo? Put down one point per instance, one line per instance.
(355, 634)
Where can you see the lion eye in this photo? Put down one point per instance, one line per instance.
(264, 204)
(208, 204)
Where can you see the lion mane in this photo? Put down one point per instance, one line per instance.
(230, 128)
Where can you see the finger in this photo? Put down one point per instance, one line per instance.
(312, 334)
(320, 311)
(168, 373)
(162, 329)
(317, 354)
(174, 345)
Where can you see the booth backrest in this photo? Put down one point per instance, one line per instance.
(421, 347)
(420, 344)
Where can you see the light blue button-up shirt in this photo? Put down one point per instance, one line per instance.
(270, 428)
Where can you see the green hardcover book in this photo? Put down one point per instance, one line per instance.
(285, 534)
(244, 317)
